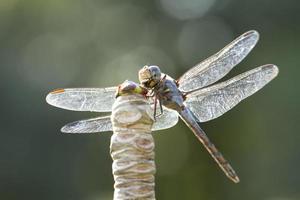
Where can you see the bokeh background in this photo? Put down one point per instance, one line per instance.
(63, 43)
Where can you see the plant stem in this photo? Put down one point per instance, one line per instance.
(132, 148)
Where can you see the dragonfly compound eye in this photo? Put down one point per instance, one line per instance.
(149, 76)
(155, 72)
(145, 76)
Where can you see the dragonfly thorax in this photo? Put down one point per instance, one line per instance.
(149, 76)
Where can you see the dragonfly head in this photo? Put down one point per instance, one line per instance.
(149, 76)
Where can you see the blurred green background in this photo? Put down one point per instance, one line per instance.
(62, 43)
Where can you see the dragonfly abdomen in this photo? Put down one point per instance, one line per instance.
(187, 116)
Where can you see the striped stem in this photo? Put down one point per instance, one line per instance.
(132, 148)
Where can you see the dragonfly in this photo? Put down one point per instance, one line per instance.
(193, 97)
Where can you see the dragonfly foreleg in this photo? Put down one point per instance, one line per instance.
(160, 107)
(155, 105)
(157, 99)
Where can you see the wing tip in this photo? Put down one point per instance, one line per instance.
(253, 34)
(273, 68)
(48, 98)
(69, 128)
(53, 92)
(64, 129)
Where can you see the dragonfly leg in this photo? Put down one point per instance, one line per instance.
(155, 105)
(160, 107)
(152, 94)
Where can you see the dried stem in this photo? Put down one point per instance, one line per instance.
(132, 148)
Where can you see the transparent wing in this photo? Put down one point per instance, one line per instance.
(94, 125)
(83, 99)
(168, 119)
(214, 101)
(219, 64)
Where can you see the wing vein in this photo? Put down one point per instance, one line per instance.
(211, 102)
(218, 65)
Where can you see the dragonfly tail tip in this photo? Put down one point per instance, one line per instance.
(234, 178)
